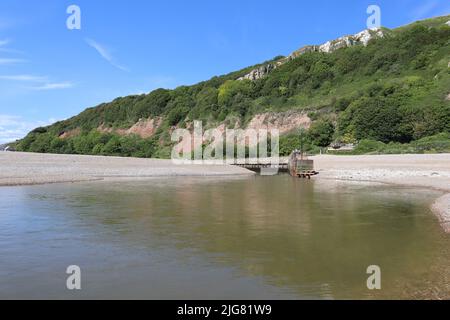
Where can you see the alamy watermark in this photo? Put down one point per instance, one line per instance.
(73, 22)
(73, 281)
(374, 280)
(225, 146)
(374, 19)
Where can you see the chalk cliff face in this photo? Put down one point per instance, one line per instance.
(361, 38)
(258, 73)
(262, 71)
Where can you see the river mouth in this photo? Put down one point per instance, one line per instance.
(221, 238)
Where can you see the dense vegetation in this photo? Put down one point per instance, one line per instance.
(390, 96)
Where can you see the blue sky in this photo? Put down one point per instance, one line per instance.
(49, 73)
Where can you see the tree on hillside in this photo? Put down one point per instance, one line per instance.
(321, 133)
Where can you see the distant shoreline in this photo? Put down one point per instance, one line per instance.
(19, 168)
(423, 171)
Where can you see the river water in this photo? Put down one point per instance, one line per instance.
(221, 238)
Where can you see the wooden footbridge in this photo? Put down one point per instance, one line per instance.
(297, 165)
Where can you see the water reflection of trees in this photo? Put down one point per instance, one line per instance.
(316, 237)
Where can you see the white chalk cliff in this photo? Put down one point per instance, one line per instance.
(361, 38)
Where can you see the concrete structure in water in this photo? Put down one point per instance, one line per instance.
(299, 166)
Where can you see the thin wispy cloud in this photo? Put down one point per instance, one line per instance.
(3, 48)
(13, 128)
(54, 86)
(105, 54)
(424, 10)
(10, 50)
(37, 82)
(23, 77)
(8, 61)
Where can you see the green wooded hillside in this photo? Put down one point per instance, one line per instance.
(391, 96)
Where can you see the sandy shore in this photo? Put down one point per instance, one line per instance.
(423, 171)
(18, 168)
(430, 171)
